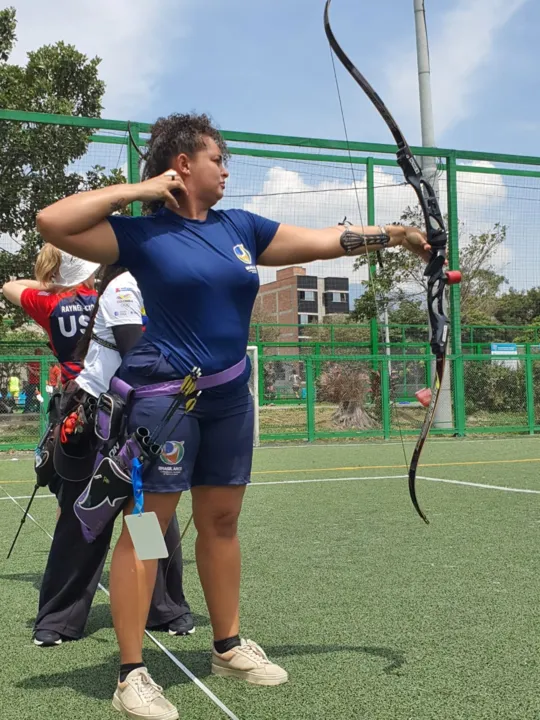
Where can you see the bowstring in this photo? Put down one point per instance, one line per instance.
(366, 252)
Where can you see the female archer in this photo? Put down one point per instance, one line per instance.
(197, 270)
(74, 566)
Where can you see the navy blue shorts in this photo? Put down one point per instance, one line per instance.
(211, 445)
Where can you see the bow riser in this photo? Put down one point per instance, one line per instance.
(427, 198)
(437, 319)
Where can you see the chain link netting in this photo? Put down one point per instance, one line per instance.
(26, 385)
(315, 378)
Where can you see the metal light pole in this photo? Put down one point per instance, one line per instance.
(443, 414)
(429, 164)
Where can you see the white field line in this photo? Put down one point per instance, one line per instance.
(310, 481)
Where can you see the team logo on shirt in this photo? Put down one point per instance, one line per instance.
(242, 254)
(124, 297)
(245, 256)
(172, 452)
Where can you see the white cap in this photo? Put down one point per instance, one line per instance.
(73, 270)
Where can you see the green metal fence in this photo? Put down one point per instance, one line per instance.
(316, 182)
(502, 395)
(355, 396)
(25, 388)
(471, 335)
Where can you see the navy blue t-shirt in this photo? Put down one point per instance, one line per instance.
(198, 280)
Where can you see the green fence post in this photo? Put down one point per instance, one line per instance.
(133, 158)
(385, 398)
(458, 376)
(529, 390)
(260, 372)
(370, 190)
(43, 380)
(310, 400)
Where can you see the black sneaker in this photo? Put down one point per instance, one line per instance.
(182, 625)
(47, 638)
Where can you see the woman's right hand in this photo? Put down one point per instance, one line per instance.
(162, 187)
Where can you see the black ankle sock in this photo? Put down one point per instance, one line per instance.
(127, 668)
(223, 646)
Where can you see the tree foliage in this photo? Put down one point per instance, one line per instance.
(401, 286)
(269, 332)
(36, 160)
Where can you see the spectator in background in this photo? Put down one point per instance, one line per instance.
(14, 389)
(296, 383)
(31, 387)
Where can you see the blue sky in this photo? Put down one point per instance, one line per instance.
(265, 67)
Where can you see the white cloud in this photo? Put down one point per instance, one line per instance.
(482, 202)
(481, 197)
(459, 49)
(290, 197)
(136, 39)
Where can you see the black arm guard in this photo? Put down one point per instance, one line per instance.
(355, 243)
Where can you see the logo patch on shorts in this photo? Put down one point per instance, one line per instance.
(172, 452)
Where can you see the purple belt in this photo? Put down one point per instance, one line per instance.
(172, 387)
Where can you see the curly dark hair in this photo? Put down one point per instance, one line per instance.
(178, 133)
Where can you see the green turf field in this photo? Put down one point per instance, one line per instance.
(374, 614)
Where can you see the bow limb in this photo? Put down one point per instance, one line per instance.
(133, 141)
(436, 234)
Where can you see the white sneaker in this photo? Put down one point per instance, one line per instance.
(248, 661)
(140, 697)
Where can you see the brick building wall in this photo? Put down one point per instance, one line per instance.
(296, 298)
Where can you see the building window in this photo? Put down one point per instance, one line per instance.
(339, 297)
(305, 319)
(309, 295)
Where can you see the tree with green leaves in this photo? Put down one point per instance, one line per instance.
(36, 160)
(268, 330)
(401, 286)
(519, 307)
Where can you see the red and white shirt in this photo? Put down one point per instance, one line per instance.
(64, 316)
